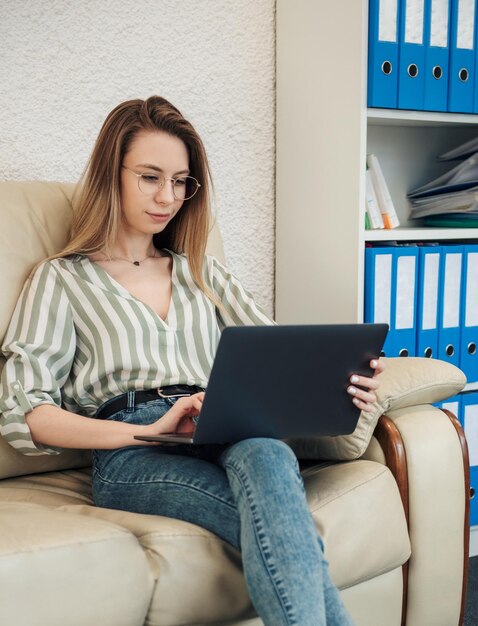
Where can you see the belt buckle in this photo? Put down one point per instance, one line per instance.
(173, 395)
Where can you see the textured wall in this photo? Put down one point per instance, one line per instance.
(66, 64)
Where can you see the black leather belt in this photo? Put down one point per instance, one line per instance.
(140, 397)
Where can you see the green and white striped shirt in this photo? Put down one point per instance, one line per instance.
(78, 338)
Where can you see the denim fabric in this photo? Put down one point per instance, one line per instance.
(250, 494)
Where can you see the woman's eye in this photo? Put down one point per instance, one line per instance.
(149, 178)
(179, 182)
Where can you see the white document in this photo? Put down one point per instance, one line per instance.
(385, 201)
(371, 203)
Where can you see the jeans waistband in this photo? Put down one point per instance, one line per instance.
(133, 398)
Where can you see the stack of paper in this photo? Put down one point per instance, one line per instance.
(451, 200)
(462, 151)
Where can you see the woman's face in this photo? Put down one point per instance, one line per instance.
(154, 154)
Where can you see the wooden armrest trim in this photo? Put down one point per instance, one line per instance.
(391, 442)
(393, 448)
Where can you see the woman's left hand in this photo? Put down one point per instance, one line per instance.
(362, 388)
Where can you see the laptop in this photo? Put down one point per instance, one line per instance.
(283, 381)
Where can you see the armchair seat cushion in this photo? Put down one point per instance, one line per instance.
(359, 514)
(58, 567)
(356, 507)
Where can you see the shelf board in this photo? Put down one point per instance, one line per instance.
(420, 234)
(397, 117)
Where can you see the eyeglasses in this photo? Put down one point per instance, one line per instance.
(184, 187)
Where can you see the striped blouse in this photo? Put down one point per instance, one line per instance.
(78, 338)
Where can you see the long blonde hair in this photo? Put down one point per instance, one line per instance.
(97, 202)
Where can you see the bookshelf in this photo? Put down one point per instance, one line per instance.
(323, 132)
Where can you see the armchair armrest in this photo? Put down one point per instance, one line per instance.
(425, 448)
(406, 382)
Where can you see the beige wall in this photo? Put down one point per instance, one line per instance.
(66, 64)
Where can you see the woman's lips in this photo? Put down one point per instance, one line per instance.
(159, 217)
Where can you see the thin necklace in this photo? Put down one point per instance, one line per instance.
(137, 263)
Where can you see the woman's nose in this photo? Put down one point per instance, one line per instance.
(165, 194)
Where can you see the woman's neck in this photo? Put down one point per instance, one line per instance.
(134, 248)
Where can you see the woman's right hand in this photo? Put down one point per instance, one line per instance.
(179, 418)
(52, 426)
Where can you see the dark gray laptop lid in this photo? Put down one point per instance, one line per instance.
(286, 381)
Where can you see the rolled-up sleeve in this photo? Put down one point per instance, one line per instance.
(240, 308)
(39, 349)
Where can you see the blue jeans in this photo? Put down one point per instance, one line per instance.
(250, 494)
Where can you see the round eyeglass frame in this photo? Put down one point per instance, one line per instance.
(160, 185)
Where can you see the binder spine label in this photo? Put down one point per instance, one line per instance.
(383, 294)
(405, 305)
(470, 418)
(430, 291)
(452, 288)
(454, 407)
(466, 24)
(439, 20)
(414, 18)
(387, 20)
(471, 303)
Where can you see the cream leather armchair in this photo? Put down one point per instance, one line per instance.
(392, 507)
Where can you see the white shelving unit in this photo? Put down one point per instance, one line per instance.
(324, 131)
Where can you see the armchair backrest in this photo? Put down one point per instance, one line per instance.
(35, 220)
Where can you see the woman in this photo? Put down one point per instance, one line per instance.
(133, 305)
